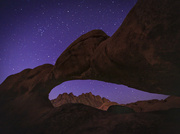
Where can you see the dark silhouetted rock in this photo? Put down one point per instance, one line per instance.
(75, 61)
(117, 109)
(155, 105)
(144, 53)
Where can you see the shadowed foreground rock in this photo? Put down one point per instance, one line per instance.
(118, 109)
(144, 53)
(155, 105)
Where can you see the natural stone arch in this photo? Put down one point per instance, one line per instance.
(133, 56)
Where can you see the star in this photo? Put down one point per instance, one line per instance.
(37, 33)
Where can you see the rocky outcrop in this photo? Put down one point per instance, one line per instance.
(76, 61)
(86, 99)
(155, 105)
(144, 53)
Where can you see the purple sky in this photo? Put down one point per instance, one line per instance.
(35, 32)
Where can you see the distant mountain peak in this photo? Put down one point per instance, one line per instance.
(85, 98)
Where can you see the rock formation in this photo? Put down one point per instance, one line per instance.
(103, 103)
(155, 105)
(86, 99)
(144, 53)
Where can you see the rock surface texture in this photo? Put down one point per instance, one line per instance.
(144, 53)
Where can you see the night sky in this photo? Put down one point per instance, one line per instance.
(35, 32)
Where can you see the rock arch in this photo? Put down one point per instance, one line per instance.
(144, 53)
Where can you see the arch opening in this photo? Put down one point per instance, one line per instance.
(114, 92)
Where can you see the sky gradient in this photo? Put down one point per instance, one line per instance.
(35, 32)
